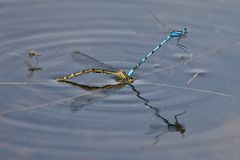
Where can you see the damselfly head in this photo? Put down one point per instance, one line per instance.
(131, 79)
(185, 31)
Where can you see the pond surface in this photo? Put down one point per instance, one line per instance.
(44, 119)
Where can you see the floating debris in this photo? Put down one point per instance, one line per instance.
(196, 72)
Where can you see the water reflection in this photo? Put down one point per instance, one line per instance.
(172, 127)
(99, 92)
(32, 68)
(158, 129)
(103, 92)
(85, 100)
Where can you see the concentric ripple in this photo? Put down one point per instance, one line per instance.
(43, 119)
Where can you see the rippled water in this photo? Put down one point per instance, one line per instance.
(43, 119)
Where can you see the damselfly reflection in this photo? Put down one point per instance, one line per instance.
(98, 92)
(176, 126)
(103, 93)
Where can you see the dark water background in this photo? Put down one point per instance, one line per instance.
(42, 119)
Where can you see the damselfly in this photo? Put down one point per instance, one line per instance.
(184, 48)
(172, 34)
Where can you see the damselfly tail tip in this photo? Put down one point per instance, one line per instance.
(60, 79)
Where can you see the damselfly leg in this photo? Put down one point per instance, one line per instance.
(182, 47)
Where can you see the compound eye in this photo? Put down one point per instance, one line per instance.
(185, 30)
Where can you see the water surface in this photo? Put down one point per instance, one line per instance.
(43, 119)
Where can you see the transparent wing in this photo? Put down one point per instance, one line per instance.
(157, 129)
(90, 62)
(80, 102)
(163, 25)
(162, 28)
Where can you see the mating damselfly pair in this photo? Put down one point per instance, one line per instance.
(123, 77)
(81, 101)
